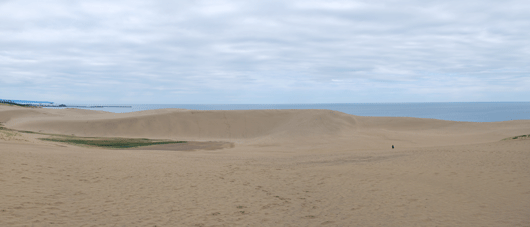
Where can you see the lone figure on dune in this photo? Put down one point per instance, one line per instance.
(392, 146)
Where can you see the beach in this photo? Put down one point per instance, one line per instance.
(262, 168)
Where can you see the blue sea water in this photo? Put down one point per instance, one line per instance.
(455, 111)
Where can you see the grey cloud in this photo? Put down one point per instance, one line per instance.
(120, 47)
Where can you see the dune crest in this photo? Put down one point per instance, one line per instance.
(190, 124)
(261, 126)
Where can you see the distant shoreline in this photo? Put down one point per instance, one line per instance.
(467, 112)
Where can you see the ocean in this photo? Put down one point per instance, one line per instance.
(453, 111)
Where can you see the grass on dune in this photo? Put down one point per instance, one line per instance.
(518, 137)
(110, 142)
(95, 141)
(16, 104)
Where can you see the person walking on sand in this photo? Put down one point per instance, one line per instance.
(392, 146)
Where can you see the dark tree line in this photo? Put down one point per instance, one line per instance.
(12, 103)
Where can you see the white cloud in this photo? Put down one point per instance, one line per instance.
(113, 50)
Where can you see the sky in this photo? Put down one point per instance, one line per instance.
(258, 52)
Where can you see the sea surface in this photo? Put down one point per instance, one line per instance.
(454, 111)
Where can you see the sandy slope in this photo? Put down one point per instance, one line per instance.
(288, 168)
(262, 126)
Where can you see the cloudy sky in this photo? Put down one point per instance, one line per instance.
(254, 51)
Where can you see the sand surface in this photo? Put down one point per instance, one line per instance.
(263, 168)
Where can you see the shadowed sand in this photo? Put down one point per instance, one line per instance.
(275, 168)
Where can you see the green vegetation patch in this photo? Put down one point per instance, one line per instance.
(92, 141)
(109, 142)
(29, 132)
(16, 104)
(21, 131)
(518, 137)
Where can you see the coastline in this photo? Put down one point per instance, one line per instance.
(459, 111)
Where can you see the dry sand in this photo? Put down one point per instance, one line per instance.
(286, 168)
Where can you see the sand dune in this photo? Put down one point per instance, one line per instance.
(190, 124)
(262, 126)
(288, 168)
